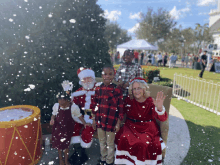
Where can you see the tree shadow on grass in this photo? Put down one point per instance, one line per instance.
(182, 93)
(204, 145)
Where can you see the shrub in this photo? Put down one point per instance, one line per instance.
(150, 74)
(164, 82)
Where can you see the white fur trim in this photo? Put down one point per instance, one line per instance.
(163, 145)
(85, 145)
(86, 73)
(78, 93)
(98, 84)
(75, 139)
(76, 119)
(160, 113)
(88, 99)
(140, 81)
(87, 119)
(138, 162)
(123, 161)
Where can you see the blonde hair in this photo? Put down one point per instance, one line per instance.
(144, 86)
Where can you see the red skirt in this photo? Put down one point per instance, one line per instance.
(136, 146)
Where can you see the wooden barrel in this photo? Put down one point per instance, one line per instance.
(21, 140)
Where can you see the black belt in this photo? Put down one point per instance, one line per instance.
(134, 120)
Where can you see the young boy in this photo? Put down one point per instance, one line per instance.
(127, 71)
(107, 109)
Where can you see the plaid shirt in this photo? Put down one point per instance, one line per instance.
(126, 73)
(107, 105)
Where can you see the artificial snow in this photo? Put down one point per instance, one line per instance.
(13, 114)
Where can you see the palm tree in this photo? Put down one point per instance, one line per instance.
(202, 35)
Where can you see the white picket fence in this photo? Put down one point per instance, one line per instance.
(197, 91)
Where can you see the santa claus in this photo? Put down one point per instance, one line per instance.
(82, 97)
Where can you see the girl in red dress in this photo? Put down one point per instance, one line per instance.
(63, 123)
(138, 141)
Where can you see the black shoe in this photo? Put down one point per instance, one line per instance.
(73, 157)
(102, 163)
(80, 157)
(83, 156)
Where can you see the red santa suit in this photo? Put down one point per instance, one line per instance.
(82, 98)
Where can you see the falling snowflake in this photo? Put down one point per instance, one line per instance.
(72, 21)
(210, 160)
(40, 7)
(11, 20)
(31, 86)
(51, 162)
(50, 15)
(15, 153)
(26, 126)
(27, 89)
(96, 108)
(123, 70)
(27, 37)
(64, 21)
(62, 140)
(14, 15)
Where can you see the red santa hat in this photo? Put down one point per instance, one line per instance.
(85, 72)
(138, 79)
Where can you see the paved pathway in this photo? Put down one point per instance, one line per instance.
(178, 141)
(177, 144)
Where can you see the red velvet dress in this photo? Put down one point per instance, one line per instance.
(139, 143)
(63, 129)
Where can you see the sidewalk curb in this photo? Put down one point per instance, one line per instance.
(178, 142)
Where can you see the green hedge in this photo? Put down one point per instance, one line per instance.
(164, 82)
(150, 74)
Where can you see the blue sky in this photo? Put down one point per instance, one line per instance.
(186, 12)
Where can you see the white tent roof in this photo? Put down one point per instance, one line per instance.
(137, 44)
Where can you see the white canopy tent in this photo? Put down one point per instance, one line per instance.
(135, 44)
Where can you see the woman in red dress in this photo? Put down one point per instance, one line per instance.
(138, 141)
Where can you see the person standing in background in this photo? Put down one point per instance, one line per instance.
(159, 58)
(136, 56)
(127, 71)
(182, 60)
(165, 59)
(187, 60)
(142, 57)
(149, 57)
(203, 63)
(153, 58)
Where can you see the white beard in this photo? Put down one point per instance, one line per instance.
(88, 86)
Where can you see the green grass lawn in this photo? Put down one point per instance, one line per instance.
(204, 126)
